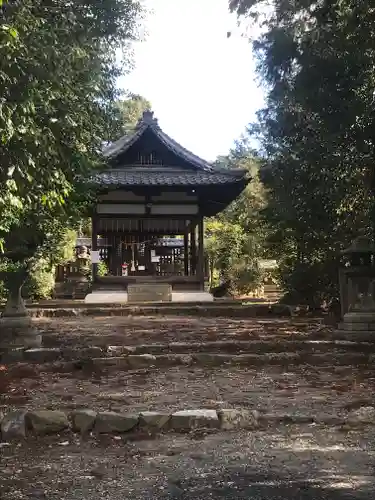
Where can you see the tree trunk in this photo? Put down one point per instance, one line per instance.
(372, 209)
(211, 273)
(15, 306)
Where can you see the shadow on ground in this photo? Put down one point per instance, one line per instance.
(291, 463)
(239, 484)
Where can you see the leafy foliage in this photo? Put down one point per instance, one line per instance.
(58, 77)
(58, 71)
(130, 110)
(316, 133)
(41, 279)
(235, 238)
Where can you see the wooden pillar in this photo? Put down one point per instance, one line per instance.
(94, 244)
(193, 249)
(200, 260)
(186, 253)
(148, 265)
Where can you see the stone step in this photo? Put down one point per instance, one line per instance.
(198, 308)
(148, 361)
(257, 347)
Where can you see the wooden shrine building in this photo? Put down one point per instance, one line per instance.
(150, 209)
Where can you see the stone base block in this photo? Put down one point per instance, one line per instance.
(117, 297)
(358, 325)
(198, 296)
(363, 317)
(149, 292)
(106, 297)
(355, 335)
(18, 332)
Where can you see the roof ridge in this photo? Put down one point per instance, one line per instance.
(148, 121)
(171, 169)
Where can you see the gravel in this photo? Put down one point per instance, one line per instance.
(305, 389)
(291, 462)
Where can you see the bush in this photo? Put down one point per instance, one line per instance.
(41, 282)
(245, 276)
(310, 284)
(102, 269)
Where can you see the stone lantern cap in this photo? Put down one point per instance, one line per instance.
(361, 245)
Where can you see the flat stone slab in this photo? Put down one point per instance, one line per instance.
(109, 421)
(13, 425)
(83, 421)
(141, 360)
(83, 353)
(47, 421)
(117, 362)
(238, 419)
(120, 350)
(206, 359)
(192, 297)
(191, 419)
(173, 360)
(42, 355)
(154, 420)
(285, 418)
(106, 306)
(108, 297)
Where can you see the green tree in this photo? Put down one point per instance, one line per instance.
(130, 111)
(235, 239)
(58, 72)
(316, 133)
(37, 240)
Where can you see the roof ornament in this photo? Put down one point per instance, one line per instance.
(148, 118)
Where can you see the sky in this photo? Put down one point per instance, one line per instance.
(201, 84)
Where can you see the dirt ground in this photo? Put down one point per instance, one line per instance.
(305, 462)
(302, 390)
(291, 462)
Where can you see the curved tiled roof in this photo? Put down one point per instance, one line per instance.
(199, 172)
(149, 122)
(127, 177)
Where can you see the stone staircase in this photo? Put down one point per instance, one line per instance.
(316, 380)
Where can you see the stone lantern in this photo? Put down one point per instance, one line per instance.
(357, 288)
(80, 270)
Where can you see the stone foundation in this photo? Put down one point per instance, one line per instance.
(200, 296)
(149, 292)
(107, 297)
(122, 297)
